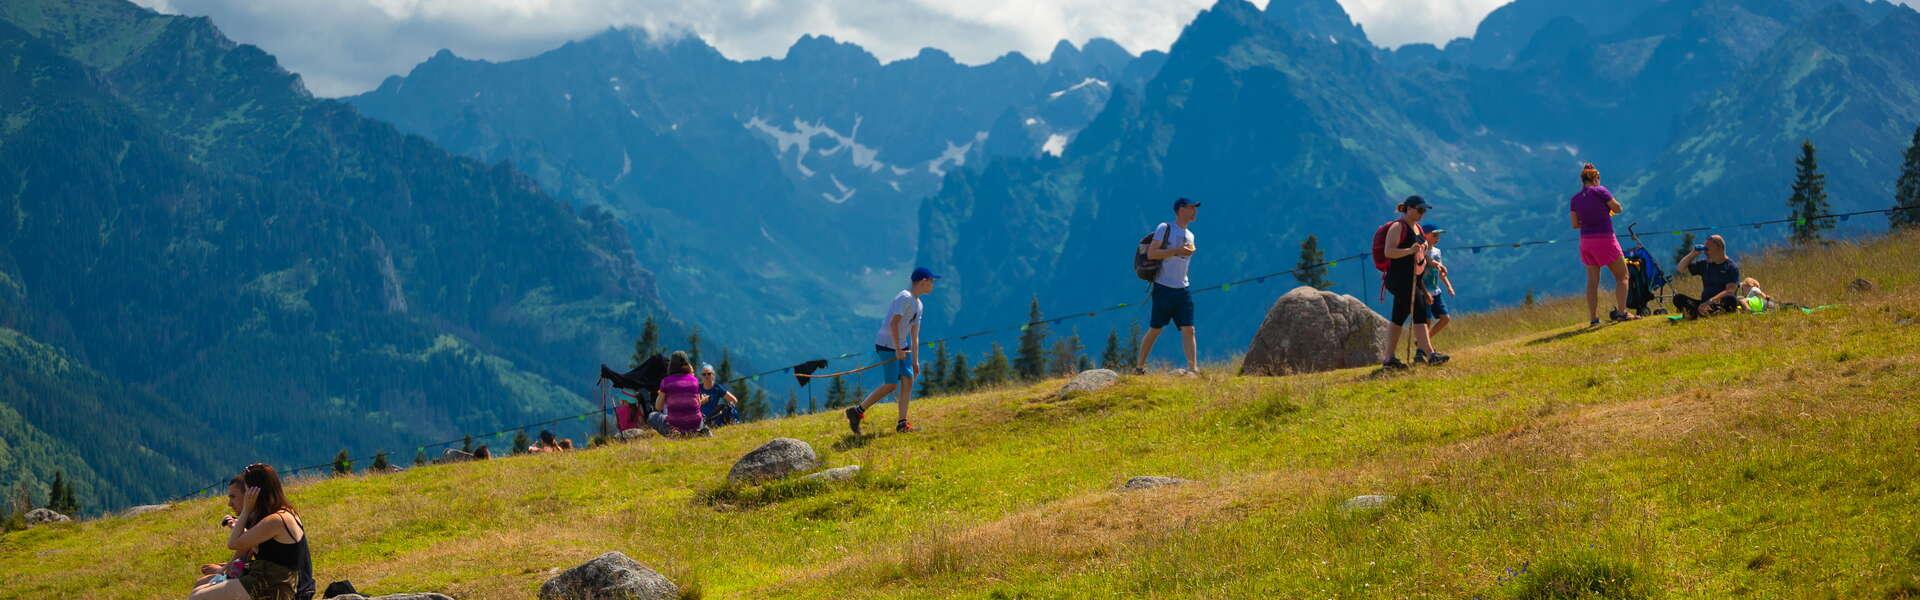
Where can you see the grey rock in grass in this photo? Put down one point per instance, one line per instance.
(1152, 481)
(452, 455)
(1309, 330)
(146, 508)
(776, 459)
(835, 474)
(1860, 285)
(1367, 502)
(406, 596)
(42, 516)
(628, 435)
(1091, 381)
(611, 576)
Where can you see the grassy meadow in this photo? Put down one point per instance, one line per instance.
(1759, 456)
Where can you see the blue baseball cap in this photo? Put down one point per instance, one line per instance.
(1430, 228)
(920, 273)
(1184, 202)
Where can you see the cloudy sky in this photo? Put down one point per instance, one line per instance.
(343, 47)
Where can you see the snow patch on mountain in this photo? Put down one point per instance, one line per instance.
(1056, 145)
(801, 137)
(954, 155)
(1077, 87)
(846, 193)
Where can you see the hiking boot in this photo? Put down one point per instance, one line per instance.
(1139, 370)
(904, 427)
(1618, 316)
(1419, 357)
(1593, 323)
(1394, 364)
(1436, 359)
(854, 414)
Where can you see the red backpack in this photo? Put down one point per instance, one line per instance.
(1380, 260)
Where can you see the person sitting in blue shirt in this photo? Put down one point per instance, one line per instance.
(1719, 280)
(720, 407)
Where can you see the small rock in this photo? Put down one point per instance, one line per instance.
(406, 596)
(454, 456)
(1860, 285)
(611, 576)
(146, 508)
(1090, 381)
(776, 459)
(1367, 502)
(1152, 481)
(628, 435)
(836, 474)
(42, 516)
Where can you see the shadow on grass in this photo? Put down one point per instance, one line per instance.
(1566, 335)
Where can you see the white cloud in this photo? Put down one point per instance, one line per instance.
(347, 46)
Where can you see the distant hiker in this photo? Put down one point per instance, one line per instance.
(268, 541)
(719, 406)
(896, 345)
(1719, 280)
(1593, 210)
(482, 453)
(1172, 302)
(1403, 250)
(676, 408)
(548, 443)
(1432, 279)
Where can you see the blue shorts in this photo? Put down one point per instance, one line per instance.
(1436, 307)
(891, 372)
(1171, 305)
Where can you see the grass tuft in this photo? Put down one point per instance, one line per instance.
(1584, 575)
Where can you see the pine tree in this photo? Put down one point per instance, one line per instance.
(1030, 359)
(724, 372)
(693, 347)
(419, 456)
(793, 403)
(648, 344)
(520, 443)
(995, 370)
(1906, 191)
(1686, 247)
(1110, 357)
(811, 406)
(380, 464)
(1130, 353)
(837, 394)
(936, 376)
(1528, 301)
(754, 406)
(960, 379)
(342, 464)
(1312, 269)
(1066, 356)
(466, 444)
(60, 498)
(1809, 200)
(1084, 364)
(858, 395)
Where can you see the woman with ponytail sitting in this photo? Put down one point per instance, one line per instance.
(268, 540)
(676, 408)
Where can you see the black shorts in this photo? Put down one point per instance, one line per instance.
(1171, 305)
(1408, 299)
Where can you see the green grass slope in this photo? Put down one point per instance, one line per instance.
(1759, 456)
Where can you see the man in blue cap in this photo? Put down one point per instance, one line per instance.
(1172, 303)
(895, 344)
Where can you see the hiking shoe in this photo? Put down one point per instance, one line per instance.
(1419, 357)
(1618, 316)
(1139, 370)
(1593, 323)
(853, 418)
(1436, 359)
(904, 427)
(1394, 364)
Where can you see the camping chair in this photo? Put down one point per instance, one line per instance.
(1646, 282)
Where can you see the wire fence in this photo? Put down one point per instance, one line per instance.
(1094, 312)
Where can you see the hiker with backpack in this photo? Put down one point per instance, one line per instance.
(1401, 262)
(896, 346)
(1162, 258)
(1593, 210)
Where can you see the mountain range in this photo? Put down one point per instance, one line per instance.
(204, 266)
(777, 198)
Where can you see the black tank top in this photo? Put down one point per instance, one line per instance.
(292, 556)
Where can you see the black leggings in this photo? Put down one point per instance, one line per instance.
(1408, 303)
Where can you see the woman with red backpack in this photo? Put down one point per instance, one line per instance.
(1400, 252)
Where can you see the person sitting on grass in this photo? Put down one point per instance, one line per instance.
(548, 443)
(1719, 280)
(720, 407)
(268, 541)
(676, 408)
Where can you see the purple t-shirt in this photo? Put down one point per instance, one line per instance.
(1591, 206)
(683, 401)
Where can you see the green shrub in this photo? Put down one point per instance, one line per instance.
(1582, 576)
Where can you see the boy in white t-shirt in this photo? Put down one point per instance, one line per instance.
(895, 344)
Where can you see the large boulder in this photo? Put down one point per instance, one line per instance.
(1310, 330)
(611, 576)
(42, 516)
(776, 459)
(146, 508)
(1090, 381)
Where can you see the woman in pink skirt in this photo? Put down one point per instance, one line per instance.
(1593, 211)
